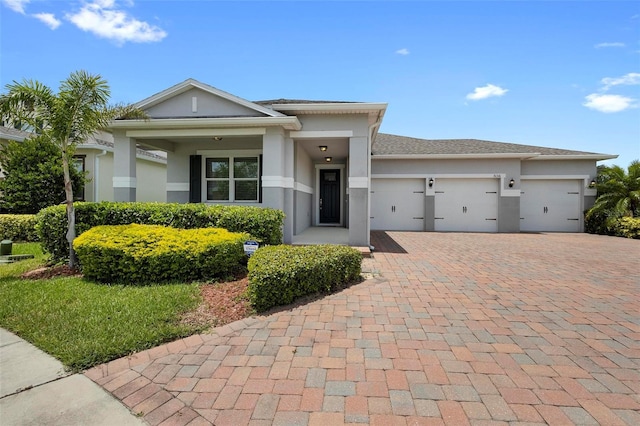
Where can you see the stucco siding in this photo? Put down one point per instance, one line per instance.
(510, 167)
(152, 181)
(207, 104)
(559, 167)
(358, 123)
(303, 168)
(303, 202)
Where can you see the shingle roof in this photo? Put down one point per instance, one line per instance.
(298, 101)
(386, 144)
(13, 134)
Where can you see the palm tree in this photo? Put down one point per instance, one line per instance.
(78, 110)
(618, 193)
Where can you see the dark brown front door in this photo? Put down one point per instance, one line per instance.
(329, 196)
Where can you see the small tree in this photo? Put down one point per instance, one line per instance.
(34, 178)
(78, 110)
(618, 196)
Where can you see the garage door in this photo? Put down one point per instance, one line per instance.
(550, 206)
(397, 204)
(466, 205)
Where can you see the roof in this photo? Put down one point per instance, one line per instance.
(298, 101)
(394, 145)
(13, 134)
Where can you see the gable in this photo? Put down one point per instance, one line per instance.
(192, 99)
(198, 103)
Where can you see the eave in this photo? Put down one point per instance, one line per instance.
(288, 123)
(519, 156)
(596, 157)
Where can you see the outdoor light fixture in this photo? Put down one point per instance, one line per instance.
(323, 148)
(592, 184)
(511, 183)
(328, 159)
(430, 182)
(217, 138)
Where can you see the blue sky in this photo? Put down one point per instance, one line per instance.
(546, 73)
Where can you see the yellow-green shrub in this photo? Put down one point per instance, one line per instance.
(18, 227)
(628, 227)
(280, 274)
(151, 253)
(263, 224)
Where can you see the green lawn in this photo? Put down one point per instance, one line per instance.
(84, 324)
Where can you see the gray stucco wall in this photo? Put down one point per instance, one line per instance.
(358, 123)
(207, 105)
(559, 167)
(358, 217)
(430, 213)
(510, 167)
(303, 202)
(508, 214)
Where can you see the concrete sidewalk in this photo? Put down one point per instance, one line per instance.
(36, 390)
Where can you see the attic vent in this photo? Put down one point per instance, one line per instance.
(194, 104)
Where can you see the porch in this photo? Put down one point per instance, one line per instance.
(322, 235)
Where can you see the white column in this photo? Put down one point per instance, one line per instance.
(124, 167)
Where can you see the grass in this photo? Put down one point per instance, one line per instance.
(85, 324)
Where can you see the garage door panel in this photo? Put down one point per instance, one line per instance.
(397, 204)
(466, 205)
(550, 206)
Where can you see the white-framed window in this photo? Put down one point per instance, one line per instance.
(232, 178)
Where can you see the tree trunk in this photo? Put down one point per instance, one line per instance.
(71, 214)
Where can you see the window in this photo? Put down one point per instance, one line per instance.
(79, 164)
(232, 178)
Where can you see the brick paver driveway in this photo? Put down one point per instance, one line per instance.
(455, 329)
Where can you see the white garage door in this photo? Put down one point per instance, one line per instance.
(466, 205)
(550, 206)
(397, 204)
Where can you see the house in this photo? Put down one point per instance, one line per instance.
(326, 165)
(95, 157)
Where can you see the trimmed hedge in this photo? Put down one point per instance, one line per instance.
(18, 227)
(280, 274)
(151, 253)
(262, 224)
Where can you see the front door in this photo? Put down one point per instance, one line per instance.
(329, 202)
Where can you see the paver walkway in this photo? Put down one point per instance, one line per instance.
(456, 329)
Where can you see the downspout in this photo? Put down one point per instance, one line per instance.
(372, 128)
(96, 173)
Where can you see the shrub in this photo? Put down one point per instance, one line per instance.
(628, 227)
(595, 222)
(151, 253)
(280, 274)
(262, 224)
(18, 227)
(33, 176)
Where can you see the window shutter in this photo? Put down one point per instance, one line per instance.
(260, 179)
(195, 178)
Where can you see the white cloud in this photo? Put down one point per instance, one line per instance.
(630, 79)
(16, 5)
(49, 20)
(104, 20)
(403, 51)
(613, 44)
(609, 103)
(485, 92)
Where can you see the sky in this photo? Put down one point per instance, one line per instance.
(544, 73)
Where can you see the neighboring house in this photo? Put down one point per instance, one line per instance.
(95, 157)
(325, 164)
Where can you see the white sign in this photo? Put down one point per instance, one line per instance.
(250, 247)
